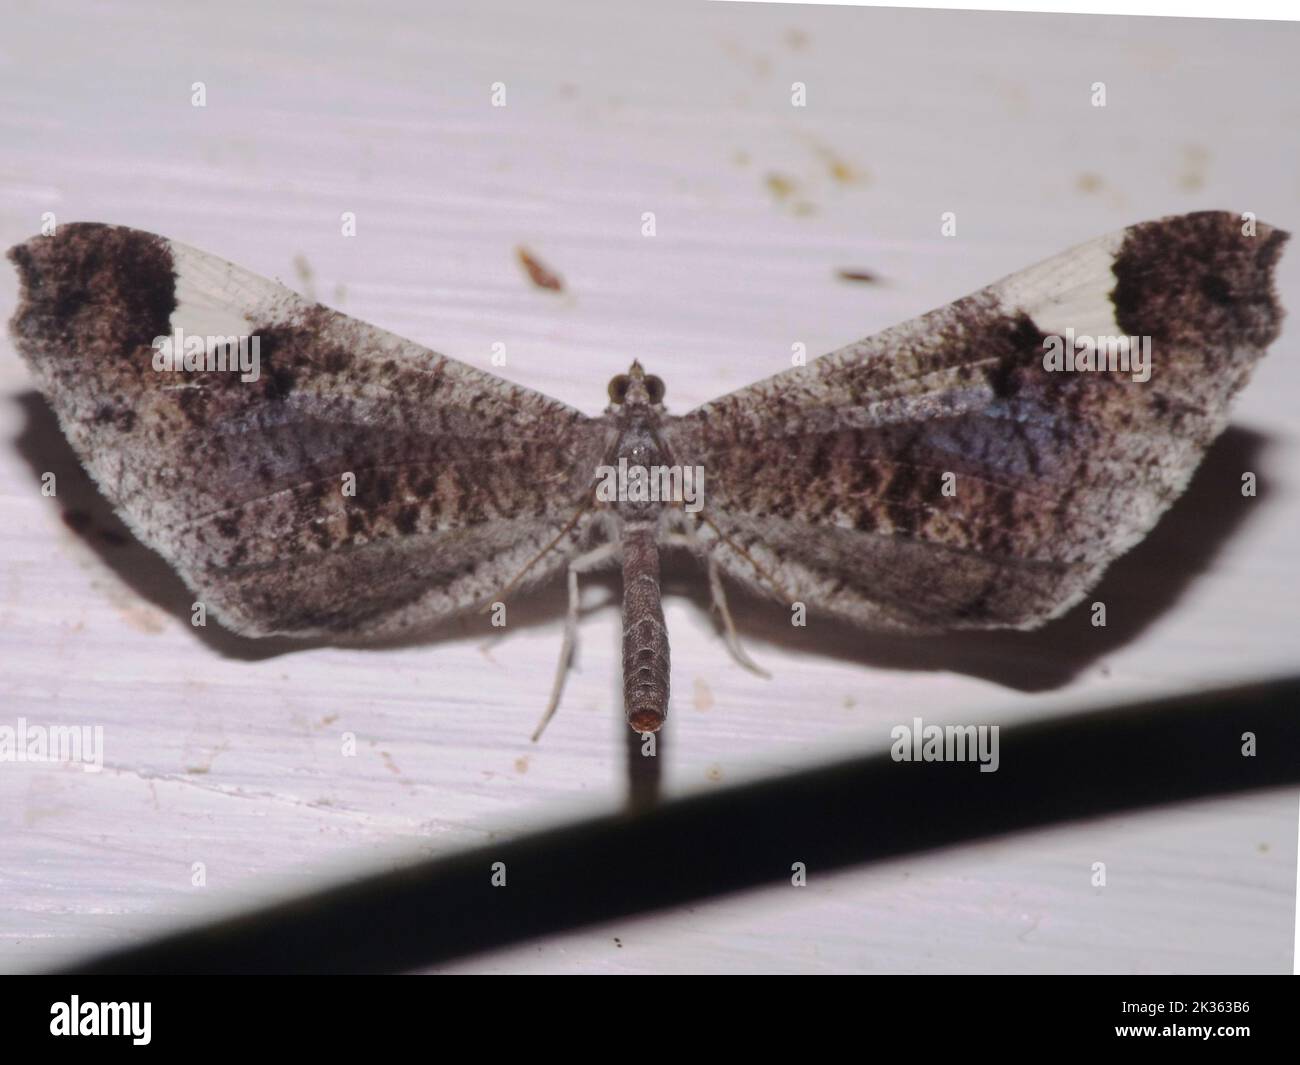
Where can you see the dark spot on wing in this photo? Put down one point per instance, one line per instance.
(104, 291)
(1215, 289)
(407, 518)
(122, 418)
(336, 360)
(300, 347)
(193, 405)
(865, 520)
(1196, 281)
(820, 465)
(282, 350)
(1017, 345)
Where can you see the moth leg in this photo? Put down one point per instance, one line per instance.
(728, 626)
(591, 560)
(692, 543)
(510, 585)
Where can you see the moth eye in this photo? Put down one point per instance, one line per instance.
(654, 387)
(618, 388)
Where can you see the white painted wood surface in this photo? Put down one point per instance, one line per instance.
(223, 752)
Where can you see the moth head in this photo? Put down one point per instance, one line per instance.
(636, 387)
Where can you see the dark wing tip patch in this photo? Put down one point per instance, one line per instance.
(1202, 281)
(109, 288)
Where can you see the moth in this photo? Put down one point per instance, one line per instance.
(957, 471)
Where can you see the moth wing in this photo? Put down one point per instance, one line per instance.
(361, 485)
(938, 475)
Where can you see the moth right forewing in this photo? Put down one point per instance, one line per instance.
(945, 452)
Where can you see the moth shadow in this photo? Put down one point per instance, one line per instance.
(1137, 589)
(90, 516)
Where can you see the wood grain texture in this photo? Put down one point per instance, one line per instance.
(228, 752)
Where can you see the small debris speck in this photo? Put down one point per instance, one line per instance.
(539, 273)
(780, 186)
(865, 277)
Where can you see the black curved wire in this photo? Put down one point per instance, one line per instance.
(861, 810)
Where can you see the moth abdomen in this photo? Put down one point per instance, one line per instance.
(645, 637)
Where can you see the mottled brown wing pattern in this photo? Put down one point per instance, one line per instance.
(461, 479)
(825, 484)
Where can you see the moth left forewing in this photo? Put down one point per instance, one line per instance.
(938, 475)
(359, 485)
